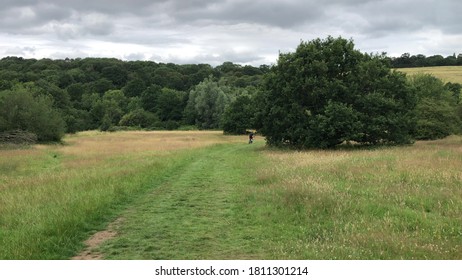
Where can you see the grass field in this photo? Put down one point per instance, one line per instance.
(446, 73)
(203, 195)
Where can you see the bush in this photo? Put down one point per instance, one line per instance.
(140, 118)
(437, 108)
(21, 110)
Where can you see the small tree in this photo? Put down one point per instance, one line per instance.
(114, 103)
(206, 104)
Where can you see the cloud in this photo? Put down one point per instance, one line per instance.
(21, 51)
(284, 14)
(204, 31)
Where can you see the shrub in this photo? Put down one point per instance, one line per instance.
(437, 108)
(21, 110)
(140, 118)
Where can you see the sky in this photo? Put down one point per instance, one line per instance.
(244, 32)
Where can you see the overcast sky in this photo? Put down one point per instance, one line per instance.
(202, 31)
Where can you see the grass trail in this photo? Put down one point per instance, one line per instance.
(52, 197)
(195, 214)
(243, 202)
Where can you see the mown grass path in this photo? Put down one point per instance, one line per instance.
(195, 213)
(238, 201)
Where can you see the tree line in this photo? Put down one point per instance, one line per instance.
(406, 60)
(323, 94)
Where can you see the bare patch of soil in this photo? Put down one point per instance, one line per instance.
(92, 243)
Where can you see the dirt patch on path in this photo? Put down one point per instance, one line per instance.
(91, 252)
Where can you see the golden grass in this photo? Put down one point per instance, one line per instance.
(101, 143)
(446, 73)
(398, 202)
(90, 149)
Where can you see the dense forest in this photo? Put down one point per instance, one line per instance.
(73, 95)
(324, 87)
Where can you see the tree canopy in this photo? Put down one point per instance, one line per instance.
(326, 93)
(106, 93)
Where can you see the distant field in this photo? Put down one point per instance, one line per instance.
(446, 73)
(205, 195)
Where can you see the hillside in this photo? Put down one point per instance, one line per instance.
(446, 73)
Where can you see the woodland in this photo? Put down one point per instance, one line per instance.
(323, 94)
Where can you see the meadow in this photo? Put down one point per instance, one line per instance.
(205, 195)
(451, 74)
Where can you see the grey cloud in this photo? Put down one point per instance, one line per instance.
(282, 14)
(407, 16)
(21, 51)
(448, 16)
(209, 58)
(135, 56)
(25, 18)
(378, 17)
(209, 29)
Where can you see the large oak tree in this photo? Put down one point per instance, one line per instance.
(326, 93)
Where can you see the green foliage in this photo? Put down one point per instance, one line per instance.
(78, 88)
(76, 92)
(327, 93)
(338, 123)
(149, 98)
(22, 110)
(134, 87)
(420, 60)
(456, 90)
(170, 104)
(238, 116)
(206, 104)
(140, 118)
(76, 120)
(437, 108)
(328, 78)
(93, 104)
(116, 74)
(114, 105)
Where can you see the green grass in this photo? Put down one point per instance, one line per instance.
(230, 200)
(48, 214)
(446, 73)
(196, 214)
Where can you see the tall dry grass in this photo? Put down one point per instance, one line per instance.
(386, 203)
